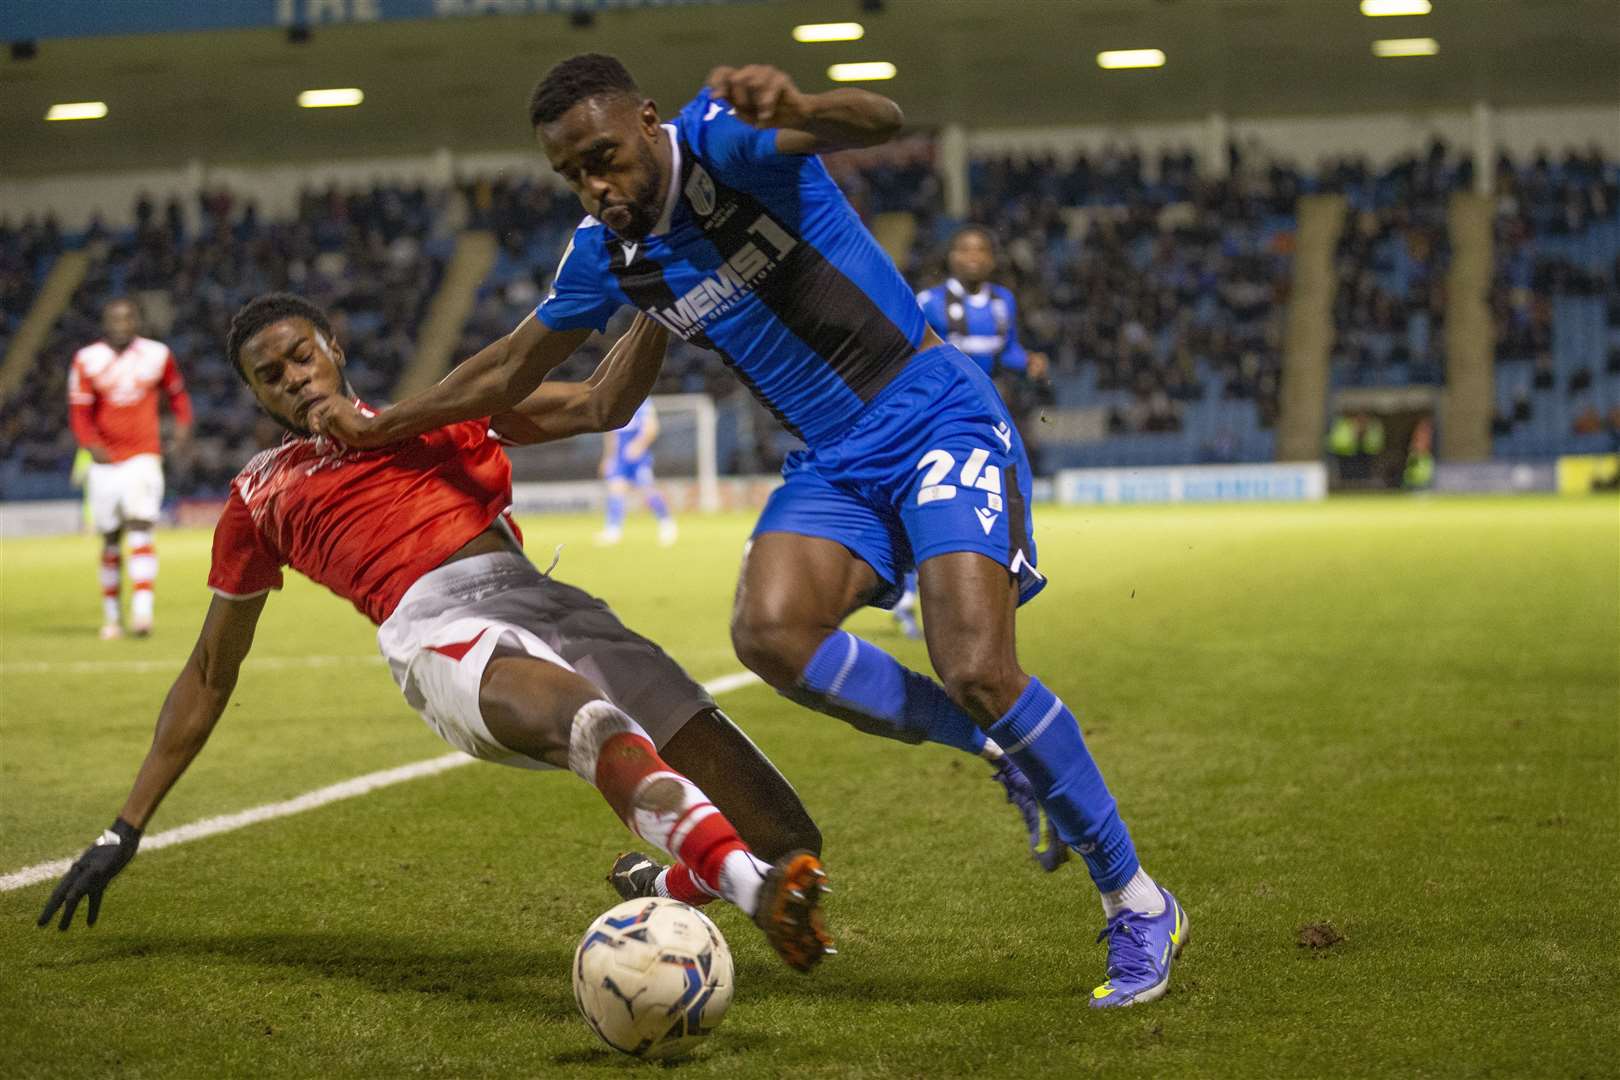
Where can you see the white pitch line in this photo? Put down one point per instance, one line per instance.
(93, 667)
(347, 789)
(725, 684)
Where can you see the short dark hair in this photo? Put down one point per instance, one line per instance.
(259, 313)
(575, 80)
(972, 229)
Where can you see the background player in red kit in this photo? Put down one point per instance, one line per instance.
(504, 662)
(113, 409)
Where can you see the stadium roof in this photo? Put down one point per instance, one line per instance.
(462, 83)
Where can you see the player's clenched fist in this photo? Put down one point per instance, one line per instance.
(763, 96)
(340, 421)
(92, 872)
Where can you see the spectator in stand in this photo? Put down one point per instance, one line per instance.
(1521, 406)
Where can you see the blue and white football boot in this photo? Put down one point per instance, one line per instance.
(1141, 949)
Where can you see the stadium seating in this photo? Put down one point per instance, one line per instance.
(26, 253)
(371, 258)
(1158, 292)
(1159, 299)
(1556, 301)
(1391, 264)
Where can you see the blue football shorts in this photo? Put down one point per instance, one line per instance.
(638, 473)
(933, 465)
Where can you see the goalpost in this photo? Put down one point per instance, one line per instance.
(688, 444)
(685, 460)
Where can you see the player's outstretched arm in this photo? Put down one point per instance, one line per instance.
(494, 381)
(187, 718)
(841, 119)
(604, 402)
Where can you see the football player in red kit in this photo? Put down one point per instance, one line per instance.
(504, 662)
(113, 391)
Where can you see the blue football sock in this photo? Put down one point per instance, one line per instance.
(656, 503)
(615, 512)
(865, 686)
(1042, 737)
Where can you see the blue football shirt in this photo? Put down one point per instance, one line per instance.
(759, 257)
(983, 324)
(629, 434)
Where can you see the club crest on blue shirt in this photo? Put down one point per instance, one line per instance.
(700, 191)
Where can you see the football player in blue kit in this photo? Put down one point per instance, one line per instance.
(627, 462)
(724, 225)
(980, 319)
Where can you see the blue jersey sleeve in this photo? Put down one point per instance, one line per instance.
(933, 310)
(1012, 356)
(579, 295)
(711, 126)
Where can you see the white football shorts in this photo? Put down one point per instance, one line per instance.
(128, 490)
(455, 618)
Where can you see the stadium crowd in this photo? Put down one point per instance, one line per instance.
(372, 258)
(1157, 290)
(26, 251)
(1391, 265)
(1555, 301)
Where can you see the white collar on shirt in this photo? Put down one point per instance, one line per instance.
(978, 299)
(674, 193)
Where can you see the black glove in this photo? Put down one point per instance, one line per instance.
(92, 872)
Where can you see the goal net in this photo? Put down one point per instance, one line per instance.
(567, 473)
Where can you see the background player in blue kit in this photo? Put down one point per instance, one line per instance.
(981, 319)
(977, 316)
(723, 225)
(627, 462)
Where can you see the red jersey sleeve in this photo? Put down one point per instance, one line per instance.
(174, 388)
(245, 564)
(471, 434)
(81, 406)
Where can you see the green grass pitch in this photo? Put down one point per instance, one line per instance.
(1398, 718)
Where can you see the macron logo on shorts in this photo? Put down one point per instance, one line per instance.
(459, 649)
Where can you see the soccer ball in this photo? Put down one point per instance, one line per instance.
(653, 977)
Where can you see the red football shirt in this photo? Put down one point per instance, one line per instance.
(364, 523)
(113, 396)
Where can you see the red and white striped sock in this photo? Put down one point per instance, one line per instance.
(678, 882)
(112, 580)
(143, 567)
(661, 806)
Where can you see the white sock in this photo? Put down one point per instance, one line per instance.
(1139, 894)
(143, 568)
(991, 752)
(112, 579)
(741, 875)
